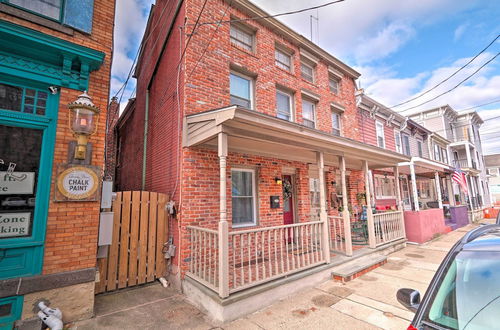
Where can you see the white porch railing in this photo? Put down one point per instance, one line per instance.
(337, 234)
(389, 226)
(203, 266)
(261, 255)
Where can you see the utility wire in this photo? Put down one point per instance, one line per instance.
(456, 86)
(192, 32)
(448, 78)
(255, 18)
(481, 105)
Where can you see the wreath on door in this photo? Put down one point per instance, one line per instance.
(287, 189)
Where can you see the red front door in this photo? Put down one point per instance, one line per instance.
(287, 200)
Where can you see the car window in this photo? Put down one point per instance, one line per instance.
(468, 297)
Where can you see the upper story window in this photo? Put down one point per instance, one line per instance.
(334, 84)
(27, 100)
(406, 144)
(283, 60)
(379, 126)
(437, 153)
(241, 90)
(336, 124)
(48, 8)
(309, 113)
(444, 155)
(397, 141)
(420, 149)
(242, 37)
(307, 71)
(284, 107)
(244, 210)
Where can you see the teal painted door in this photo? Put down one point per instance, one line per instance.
(28, 114)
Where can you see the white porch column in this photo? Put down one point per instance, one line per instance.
(399, 202)
(223, 225)
(469, 159)
(438, 189)
(414, 187)
(451, 193)
(345, 208)
(369, 213)
(322, 205)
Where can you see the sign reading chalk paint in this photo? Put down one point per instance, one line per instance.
(78, 183)
(16, 183)
(14, 224)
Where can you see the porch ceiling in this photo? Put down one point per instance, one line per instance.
(252, 132)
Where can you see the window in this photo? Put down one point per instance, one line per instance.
(336, 123)
(309, 113)
(314, 197)
(397, 141)
(406, 145)
(307, 71)
(283, 60)
(27, 100)
(419, 148)
(48, 8)
(242, 37)
(380, 134)
(333, 84)
(384, 187)
(243, 197)
(444, 155)
(437, 153)
(284, 105)
(241, 90)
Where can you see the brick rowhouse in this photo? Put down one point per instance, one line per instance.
(66, 270)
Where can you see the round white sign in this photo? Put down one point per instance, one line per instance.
(78, 183)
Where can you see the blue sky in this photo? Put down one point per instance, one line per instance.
(401, 48)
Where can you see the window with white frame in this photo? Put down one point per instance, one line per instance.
(242, 37)
(333, 84)
(309, 113)
(284, 107)
(419, 149)
(379, 126)
(397, 141)
(437, 153)
(283, 59)
(307, 71)
(406, 144)
(314, 196)
(241, 90)
(384, 187)
(336, 126)
(424, 188)
(444, 155)
(243, 197)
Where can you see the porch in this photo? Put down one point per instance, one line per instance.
(332, 222)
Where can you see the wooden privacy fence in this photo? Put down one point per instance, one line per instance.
(135, 255)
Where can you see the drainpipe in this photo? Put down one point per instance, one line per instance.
(145, 145)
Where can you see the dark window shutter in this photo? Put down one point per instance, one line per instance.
(78, 14)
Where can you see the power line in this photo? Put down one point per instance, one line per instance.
(255, 18)
(481, 105)
(455, 87)
(449, 77)
(192, 32)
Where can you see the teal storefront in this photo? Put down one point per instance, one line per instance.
(33, 69)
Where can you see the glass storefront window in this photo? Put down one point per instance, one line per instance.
(15, 98)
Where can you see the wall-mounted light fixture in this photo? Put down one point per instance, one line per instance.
(386, 180)
(83, 120)
(278, 180)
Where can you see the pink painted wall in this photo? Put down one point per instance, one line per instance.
(421, 226)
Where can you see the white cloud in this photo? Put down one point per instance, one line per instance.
(459, 31)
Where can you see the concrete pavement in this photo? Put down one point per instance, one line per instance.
(367, 302)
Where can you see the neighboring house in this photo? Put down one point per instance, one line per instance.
(492, 163)
(465, 150)
(425, 181)
(50, 53)
(253, 131)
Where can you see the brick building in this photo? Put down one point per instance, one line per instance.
(253, 131)
(51, 51)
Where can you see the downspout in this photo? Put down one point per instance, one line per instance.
(145, 145)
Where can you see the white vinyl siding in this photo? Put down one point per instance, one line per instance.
(243, 193)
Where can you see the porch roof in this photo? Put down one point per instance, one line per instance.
(253, 132)
(423, 166)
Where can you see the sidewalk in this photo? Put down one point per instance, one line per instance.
(368, 302)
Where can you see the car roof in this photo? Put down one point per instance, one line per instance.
(485, 238)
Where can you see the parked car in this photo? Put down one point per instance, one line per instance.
(14, 201)
(465, 291)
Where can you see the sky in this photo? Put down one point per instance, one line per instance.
(401, 49)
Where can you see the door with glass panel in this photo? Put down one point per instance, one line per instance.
(27, 127)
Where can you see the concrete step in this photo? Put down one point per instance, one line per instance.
(357, 267)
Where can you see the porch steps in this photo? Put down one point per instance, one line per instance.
(357, 267)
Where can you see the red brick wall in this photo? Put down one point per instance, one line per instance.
(72, 227)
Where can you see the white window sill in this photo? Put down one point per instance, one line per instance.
(244, 225)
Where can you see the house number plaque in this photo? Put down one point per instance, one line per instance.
(77, 183)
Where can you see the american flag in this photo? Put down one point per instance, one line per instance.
(459, 178)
